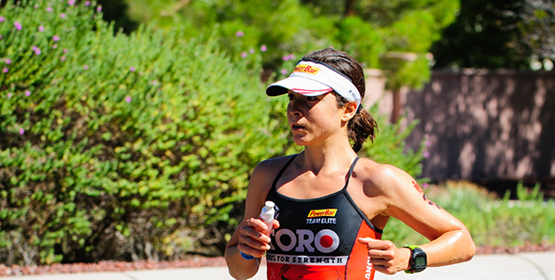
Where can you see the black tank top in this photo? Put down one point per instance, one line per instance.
(317, 238)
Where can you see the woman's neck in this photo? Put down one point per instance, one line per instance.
(321, 158)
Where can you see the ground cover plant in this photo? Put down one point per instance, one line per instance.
(492, 221)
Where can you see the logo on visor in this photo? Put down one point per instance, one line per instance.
(306, 69)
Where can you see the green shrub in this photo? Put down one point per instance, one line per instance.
(110, 144)
(529, 219)
(124, 147)
(389, 147)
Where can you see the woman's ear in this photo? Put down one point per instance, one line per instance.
(350, 111)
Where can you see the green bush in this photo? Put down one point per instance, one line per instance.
(117, 146)
(124, 147)
(389, 147)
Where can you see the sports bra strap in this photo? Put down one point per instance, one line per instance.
(293, 158)
(351, 172)
(283, 170)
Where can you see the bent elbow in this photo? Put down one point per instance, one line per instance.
(468, 246)
(469, 252)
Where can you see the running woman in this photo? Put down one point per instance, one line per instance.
(331, 205)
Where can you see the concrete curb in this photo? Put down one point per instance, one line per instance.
(529, 266)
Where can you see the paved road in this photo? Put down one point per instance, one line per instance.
(528, 266)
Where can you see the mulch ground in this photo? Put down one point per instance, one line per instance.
(116, 266)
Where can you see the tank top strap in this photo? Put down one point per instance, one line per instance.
(350, 172)
(281, 171)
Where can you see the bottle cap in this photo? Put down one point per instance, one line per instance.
(267, 213)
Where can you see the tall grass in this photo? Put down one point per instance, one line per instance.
(491, 221)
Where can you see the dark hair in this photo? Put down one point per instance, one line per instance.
(362, 125)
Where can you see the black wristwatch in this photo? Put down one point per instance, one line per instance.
(418, 260)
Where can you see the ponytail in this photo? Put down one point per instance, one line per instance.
(362, 125)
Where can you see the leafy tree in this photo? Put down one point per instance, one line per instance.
(498, 34)
(367, 29)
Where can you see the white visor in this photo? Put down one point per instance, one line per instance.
(312, 78)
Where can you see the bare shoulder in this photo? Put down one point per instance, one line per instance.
(382, 177)
(265, 172)
(271, 166)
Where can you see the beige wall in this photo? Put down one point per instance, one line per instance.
(481, 125)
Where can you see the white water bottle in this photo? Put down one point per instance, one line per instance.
(267, 215)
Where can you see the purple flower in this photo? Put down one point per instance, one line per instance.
(56, 38)
(55, 46)
(8, 61)
(17, 25)
(283, 72)
(49, 9)
(99, 8)
(263, 48)
(239, 33)
(41, 28)
(425, 185)
(71, 2)
(10, 95)
(87, 3)
(244, 54)
(426, 155)
(128, 99)
(427, 143)
(62, 15)
(27, 93)
(86, 67)
(5, 70)
(36, 50)
(132, 69)
(288, 57)
(21, 131)
(2, 19)
(65, 50)
(251, 51)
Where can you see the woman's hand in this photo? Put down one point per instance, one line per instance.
(254, 237)
(385, 256)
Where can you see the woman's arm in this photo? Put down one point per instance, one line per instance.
(450, 241)
(250, 237)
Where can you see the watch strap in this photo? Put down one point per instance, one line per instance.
(411, 261)
(411, 247)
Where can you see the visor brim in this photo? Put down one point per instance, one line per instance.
(300, 85)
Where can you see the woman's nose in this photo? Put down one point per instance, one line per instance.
(295, 107)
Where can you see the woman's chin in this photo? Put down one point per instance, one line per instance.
(301, 141)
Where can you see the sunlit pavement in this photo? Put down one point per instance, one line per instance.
(528, 266)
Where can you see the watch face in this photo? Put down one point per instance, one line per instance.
(420, 261)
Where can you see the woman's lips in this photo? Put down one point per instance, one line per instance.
(297, 127)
